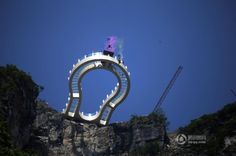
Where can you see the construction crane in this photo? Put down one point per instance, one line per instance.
(233, 92)
(166, 91)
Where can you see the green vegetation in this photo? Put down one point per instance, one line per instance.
(13, 83)
(215, 126)
(158, 118)
(6, 147)
(12, 79)
(4, 135)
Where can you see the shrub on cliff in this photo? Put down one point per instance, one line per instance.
(157, 118)
(17, 109)
(11, 79)
(215, 126)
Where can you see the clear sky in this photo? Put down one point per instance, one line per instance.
(45, 38)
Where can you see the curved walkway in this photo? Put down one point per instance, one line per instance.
(118, 94)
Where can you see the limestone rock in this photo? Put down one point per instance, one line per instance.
(61, 136)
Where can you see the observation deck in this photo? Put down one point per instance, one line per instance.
(94, 61)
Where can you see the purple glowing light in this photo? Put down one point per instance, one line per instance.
(110, 44)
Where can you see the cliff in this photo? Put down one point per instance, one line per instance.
(17, 109)
(28, 126)
(34, 126)
(219, 128)
(53, 134)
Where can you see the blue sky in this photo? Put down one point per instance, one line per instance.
(44, 38)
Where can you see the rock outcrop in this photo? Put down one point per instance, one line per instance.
(34, 126)
(28, 126)
(55, 135)
(219, 129)
(18, 95)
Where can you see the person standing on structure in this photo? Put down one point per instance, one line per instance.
(110, 46)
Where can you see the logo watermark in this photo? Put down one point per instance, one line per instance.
(182, 139)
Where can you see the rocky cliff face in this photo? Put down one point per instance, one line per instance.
(30, 127)
(34, 126)
(219, 129)
(55, 135)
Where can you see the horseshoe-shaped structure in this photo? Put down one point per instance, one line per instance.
(94, 61)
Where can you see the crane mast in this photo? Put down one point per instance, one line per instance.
(233, 92)
(167, 89)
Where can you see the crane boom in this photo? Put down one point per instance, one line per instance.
(169, 86)
(233, 92)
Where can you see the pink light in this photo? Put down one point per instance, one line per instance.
(110, 44)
